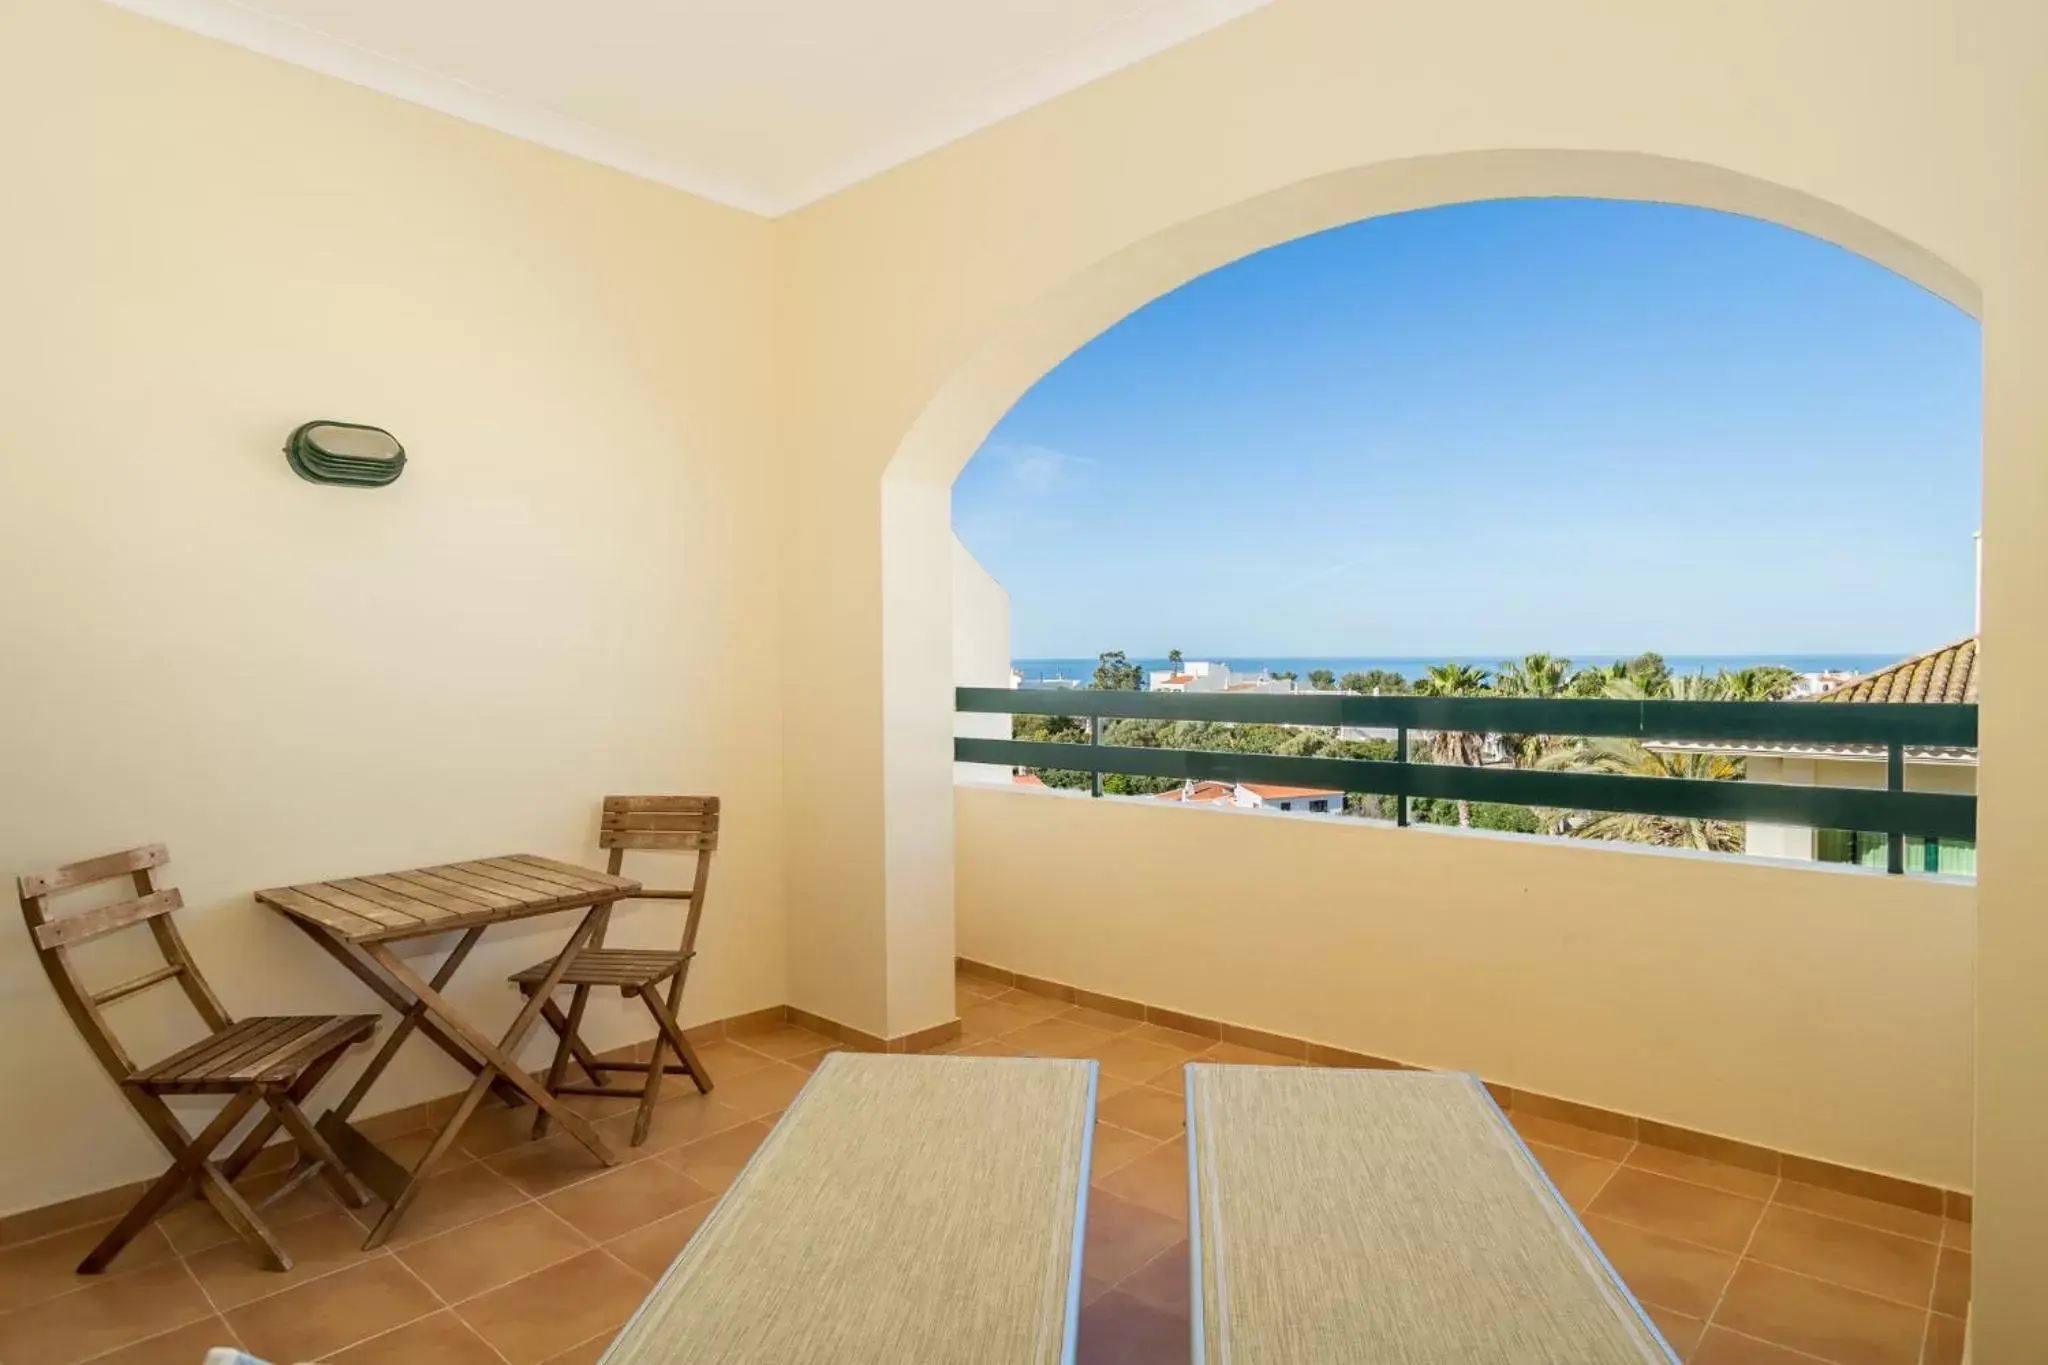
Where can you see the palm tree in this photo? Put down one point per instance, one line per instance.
(1461, 748)
(1767, 682)
(1537, 675)
(1630, 758)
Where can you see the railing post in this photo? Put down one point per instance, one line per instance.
(1895, 780)
(1401, 757)
(1095, 742)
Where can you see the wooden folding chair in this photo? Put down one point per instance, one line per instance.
(670, 822)
(275, 1061)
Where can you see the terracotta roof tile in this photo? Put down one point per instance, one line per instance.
(1948, 674)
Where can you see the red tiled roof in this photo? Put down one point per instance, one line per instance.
(1948, 674)
(1027, 779)
(1210, 793)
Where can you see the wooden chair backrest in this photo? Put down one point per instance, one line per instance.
(664, 822)
(55, 936)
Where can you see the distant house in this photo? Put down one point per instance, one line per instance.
(1208, 677)
(1948, 674)
(1259, 796)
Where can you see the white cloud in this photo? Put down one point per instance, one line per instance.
(1039, 470)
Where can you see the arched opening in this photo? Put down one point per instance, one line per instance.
(1582, 1049)
(1537, 448)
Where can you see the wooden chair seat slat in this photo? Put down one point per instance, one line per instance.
(214, 1055)
(288, 1059)
(274, 1061)
(609, 967)
(262, 1049)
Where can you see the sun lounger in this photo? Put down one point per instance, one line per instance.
(1386, 1216)
(914, 1210)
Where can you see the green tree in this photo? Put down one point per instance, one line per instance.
(1322, 679)
(1649, 672)
(1053, 730)
(1174, 659)
(1594, 679)
(1374, 682)
(1116, 673)
(1283, 675)
(1631, 758)
(1534, 675)
(1767, 682)
(1457, 747)
(1539, 676)
(1494, 815)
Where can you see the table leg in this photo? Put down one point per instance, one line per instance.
(413, 1017)
(397, 999)
(497, 1057)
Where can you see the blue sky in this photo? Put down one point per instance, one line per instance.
(1569, 425)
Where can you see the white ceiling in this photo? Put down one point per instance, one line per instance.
(763, 104)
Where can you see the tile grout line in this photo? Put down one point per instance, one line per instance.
(1722, 1298)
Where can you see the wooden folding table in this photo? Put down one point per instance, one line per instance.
(357, 919)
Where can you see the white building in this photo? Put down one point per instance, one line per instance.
(1259, 796)
(1210, 677)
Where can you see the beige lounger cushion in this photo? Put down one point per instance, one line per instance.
(1391, 1217)
(911, 1210)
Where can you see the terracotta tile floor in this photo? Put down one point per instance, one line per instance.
(529, 1253)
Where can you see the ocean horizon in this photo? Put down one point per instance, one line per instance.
(1411, 666)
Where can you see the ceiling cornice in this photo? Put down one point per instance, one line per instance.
(330, 56)
(1155, 27)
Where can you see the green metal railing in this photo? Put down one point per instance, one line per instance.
(1891, 728)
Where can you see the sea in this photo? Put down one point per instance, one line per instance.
(1039, 672)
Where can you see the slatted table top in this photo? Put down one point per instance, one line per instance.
(913, 1210)
(434, 900)
(1386, 1216)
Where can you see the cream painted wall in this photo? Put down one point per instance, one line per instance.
(981, 654)
(1823, 1011)
(914, 309)
(571, 591)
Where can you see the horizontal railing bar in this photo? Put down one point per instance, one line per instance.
(1946, 725)
(1926, 814)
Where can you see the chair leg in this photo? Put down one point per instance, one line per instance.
(673, 1031)
(188, 1163)
(260, 1135)
(590, 1062)
(566, 1041)
(346, 1187)
(650, 1086)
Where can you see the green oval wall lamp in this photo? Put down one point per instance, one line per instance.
(346, 453)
